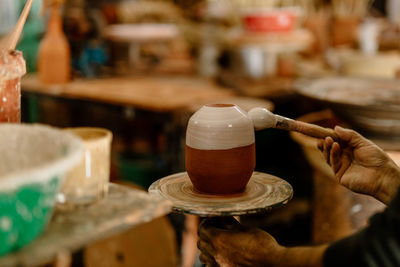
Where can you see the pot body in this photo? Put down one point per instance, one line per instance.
(220, 149)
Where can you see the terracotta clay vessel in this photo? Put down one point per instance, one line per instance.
(344, 30)
(220, 149)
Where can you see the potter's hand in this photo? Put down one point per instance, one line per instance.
(360, 165)
(224, 242)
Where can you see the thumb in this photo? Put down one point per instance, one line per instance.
(350, 137)
(230, 223)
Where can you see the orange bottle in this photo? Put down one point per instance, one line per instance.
(54, 60)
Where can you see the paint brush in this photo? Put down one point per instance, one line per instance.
(263, 118)
(10, 41)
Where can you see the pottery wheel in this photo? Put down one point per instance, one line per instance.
(263, 192)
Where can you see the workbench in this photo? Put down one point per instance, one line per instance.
(132, 103)
(71, 230)
(158, 94)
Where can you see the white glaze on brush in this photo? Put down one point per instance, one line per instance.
(262, 118)
(12, 65)
(212, 128)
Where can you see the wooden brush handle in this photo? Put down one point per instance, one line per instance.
(305, 128)
(20, 25)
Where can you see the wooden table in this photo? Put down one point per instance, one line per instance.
(294, 41)
(269, 87)
(159, 94)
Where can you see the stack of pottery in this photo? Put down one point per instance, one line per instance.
(369, 105)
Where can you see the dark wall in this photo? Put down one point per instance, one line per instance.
(380, 5)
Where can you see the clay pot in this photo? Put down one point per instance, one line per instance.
(220, 149)
(318, 25)
(286, 65)
(344, 30)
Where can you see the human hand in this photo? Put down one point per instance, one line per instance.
(225, 242)
(360, 165)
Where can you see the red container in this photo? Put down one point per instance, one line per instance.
(12, 68)
(270, 20)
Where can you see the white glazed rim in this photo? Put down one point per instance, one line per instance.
(223, 106)
(44, 172)
(103, 134)
(217, 135)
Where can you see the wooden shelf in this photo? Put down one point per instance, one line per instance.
(70, 231)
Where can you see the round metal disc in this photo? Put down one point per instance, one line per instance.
(263, 192)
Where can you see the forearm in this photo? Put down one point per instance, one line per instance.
(298, 256)
(305, 256)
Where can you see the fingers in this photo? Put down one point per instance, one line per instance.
(227, 220)
(206, 230)
(205, 247)
(344, 134)
(210, 228)
(207, 233)
(335, 160)
(207, 252)
(346, 159)
(212, 234)
(320, 145)
(332, 153)
(327, 149)
(207, 260)
(350, 137)
(230, 223)
(221, 223)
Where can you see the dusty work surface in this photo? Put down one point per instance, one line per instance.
(69, 231)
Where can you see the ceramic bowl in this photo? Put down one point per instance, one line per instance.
(33, 161)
